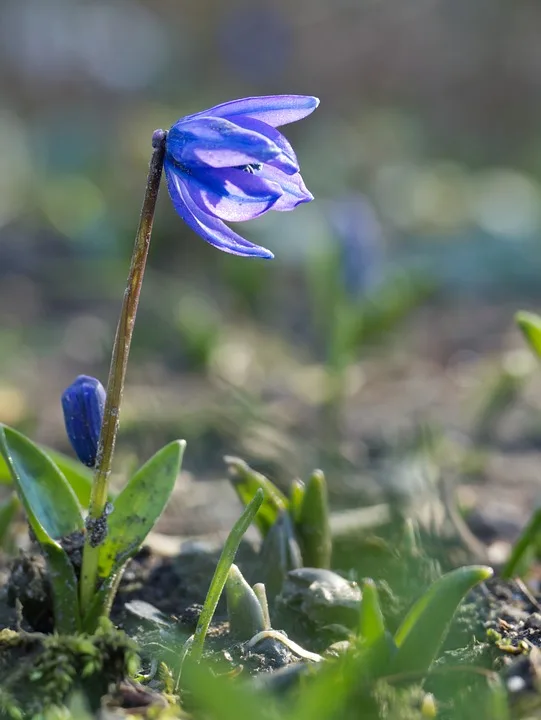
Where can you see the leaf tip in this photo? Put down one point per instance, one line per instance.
(484, 572)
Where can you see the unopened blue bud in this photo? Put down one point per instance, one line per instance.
(83, 402)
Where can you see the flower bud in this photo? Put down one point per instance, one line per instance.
(83, 402)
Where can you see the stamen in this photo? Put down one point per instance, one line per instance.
(251, 168)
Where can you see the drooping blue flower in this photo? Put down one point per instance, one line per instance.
(229, 163)
(83, 402)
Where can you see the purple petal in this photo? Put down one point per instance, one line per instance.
(274, 110)
(217, 142)
(294, 190)
(287, 160)
(211, 229)
(232, 194)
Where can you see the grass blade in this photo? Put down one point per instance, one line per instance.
(222, 571)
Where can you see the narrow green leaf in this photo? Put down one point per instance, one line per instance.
(524, 547)
(261, 594)
(312, 526)
(222, 571)
(422, 632)
(246, 482)
(138, 507)
(296, 496)
(42, 489)
(64, 586)
(371, 622)
(530, 324)
(279, 554)
(102, 601)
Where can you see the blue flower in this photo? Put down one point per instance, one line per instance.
(355, 225)
(230, 163)
(83, 402)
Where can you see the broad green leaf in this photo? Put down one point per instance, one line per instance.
(138, 507)
(246, 482)
(371, 623)
(312, 526)
(530, 324)
(422, 632)
(78, 476)
(41, 487)
(53, 512)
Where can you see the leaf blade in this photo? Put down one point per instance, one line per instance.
(138, 507)
(246, 482)
(371, 622)
(43, 490)
(530, 325)
(424, 628)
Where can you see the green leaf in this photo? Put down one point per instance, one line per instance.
(244, 610)
(530, 324)
(222, 571)
(53, 512)
(225, 698)
(78, 476)
(101, 602)
(67, 619)
(312, 526)
(422, 632)
(371, 623)
(296, 495)
(524, 548)
(41, 487)
(136, 510)
(8, 510)
(279, 554)
(138, 507)
(246, 483)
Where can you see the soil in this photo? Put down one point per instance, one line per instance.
(474, 509)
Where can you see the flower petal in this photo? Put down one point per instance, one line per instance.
(287, 160)
(274, 110)
(217, 142)
(211, 229)
(295, 191)
(232, 194)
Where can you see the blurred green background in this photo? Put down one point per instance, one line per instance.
(427, 142)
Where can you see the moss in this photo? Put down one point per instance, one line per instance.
(39, 672)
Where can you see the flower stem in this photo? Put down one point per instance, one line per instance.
(96, 521)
